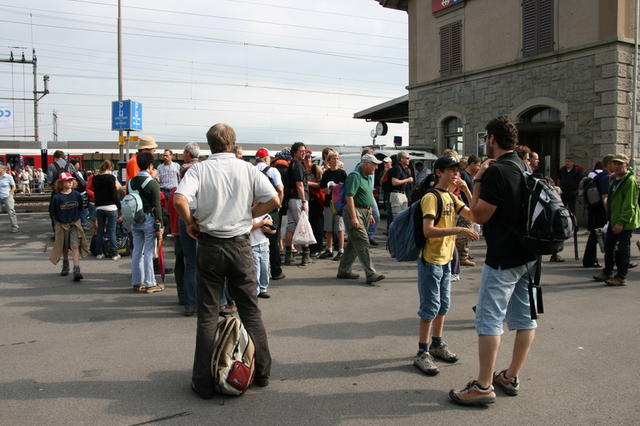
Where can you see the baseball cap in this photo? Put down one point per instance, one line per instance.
(65, 176)
(263, 153)
(445, 162)
(620, 158)
(370, 158)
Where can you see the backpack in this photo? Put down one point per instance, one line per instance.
(232, 364)
(265, 170)
(284, 175)
(590, 190)
(338, 198)
(406, 235)
(547, 223)
(131, 205)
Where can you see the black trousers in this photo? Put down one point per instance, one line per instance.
(617, 257)
(275, 261)
(230, 260)
(590, 256)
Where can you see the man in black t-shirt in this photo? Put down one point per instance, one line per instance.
(298, 196)
(400, 178)
(508, 266)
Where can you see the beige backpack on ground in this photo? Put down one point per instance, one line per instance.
(232, 364)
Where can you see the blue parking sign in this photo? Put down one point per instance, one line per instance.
(126, 115)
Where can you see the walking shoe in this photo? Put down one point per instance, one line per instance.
(467, 262)
(305, 258)
(472, 394)
(100, 256)
(556, 258)
(77, 276)
(442, 353)
(154, 289)
(455, 277)
(315, 254)
(139, 288)
(116, 257)
(602, 277)
(373, 242)
(375, 278)
(287, 258)
(264, 295)
(325, 254)
(65, 268)
(338, 256)
(15, 230)
(261, 381)
(616, 281)
(632, 265)
(347, 276)
(279, 277)
(509, 386)
(424, 362)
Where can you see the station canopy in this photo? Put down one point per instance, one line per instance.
(393, 111)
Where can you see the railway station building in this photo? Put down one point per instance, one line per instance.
(561, 69)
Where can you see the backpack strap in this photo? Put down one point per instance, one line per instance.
(439, 202)
(145, 183)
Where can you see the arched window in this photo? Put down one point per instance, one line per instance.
(453, 134)
(541, 115)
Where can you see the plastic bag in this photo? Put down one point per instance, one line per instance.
(303, 233)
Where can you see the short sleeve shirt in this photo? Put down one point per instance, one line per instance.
(359, 187)
(6, 183)
(439, 251)
(398, 172)
(501, 187)
(272, 173)
(168, 175)
(335, 176)
(296, 174)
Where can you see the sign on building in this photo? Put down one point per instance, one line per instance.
(126, 115)
(6, 117)
(438, 5)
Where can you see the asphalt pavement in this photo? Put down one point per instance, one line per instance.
(94, 352)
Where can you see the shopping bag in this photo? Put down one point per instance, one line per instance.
(303, 233)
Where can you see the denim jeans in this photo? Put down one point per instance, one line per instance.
(189, 280)
(375, 211)
(617, 257)
(144, 245)
(434, 289)
(504, 295)
(261, 261)
(107, 219)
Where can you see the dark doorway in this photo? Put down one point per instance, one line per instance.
(539, 129)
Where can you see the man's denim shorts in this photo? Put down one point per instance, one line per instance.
(504, 295)
(434, 288)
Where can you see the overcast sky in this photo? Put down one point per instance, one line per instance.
(276, 70)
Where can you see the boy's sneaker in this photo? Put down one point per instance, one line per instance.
(424, 362)
(116, 257)
(338, 256)
(602, 276)
(472, 394)
(455, 277)
(100, 256)
(616, 281)
(325, 255)
(65, 268)
(442, 352)
(509, 386)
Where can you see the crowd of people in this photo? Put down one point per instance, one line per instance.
(245, 216)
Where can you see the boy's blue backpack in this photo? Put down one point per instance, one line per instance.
(131, 205)
(406, 236)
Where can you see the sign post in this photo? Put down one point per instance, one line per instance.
(126, 115)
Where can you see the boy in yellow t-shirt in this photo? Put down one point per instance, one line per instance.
(439, 209)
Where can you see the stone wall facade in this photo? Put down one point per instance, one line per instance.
(591, 88)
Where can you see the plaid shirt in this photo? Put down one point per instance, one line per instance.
(168, 175)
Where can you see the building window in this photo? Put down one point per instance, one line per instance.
(453, 134)
(541, 115)
(451, 48)
(537, 27)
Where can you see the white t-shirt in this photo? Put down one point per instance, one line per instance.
(256, 236)
(224, 188)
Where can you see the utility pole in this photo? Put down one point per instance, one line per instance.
(55, 126)
(120, 133)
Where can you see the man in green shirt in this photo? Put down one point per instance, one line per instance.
(357, 218)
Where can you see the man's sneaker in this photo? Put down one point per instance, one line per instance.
(279, 277)
(338, 256)
(467, 262)
(372, 279)
(347, 276)
(472, 394)
(442, 353)
(509, 386)
(424, 362)
(116, 257)
(264, 295)
(616, 281)
(154, 289)
(325, 254)
(65, 268)
(100, 256)
(77, 276)
(602, 277)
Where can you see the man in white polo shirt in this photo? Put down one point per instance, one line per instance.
(225, 189)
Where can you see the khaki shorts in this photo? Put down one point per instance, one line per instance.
(294, 208)
(332, 222)
(71, 238)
